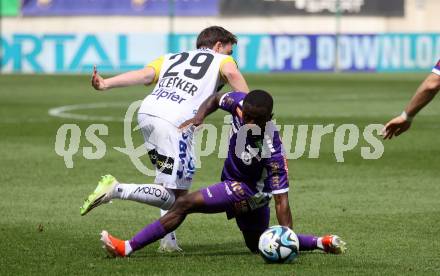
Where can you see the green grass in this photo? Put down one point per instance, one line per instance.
(387, 210)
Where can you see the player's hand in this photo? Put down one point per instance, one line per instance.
(195, 121)
(98, 82)
(395, 127)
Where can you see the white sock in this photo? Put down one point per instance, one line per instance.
(128, 248)
(151, 194)
(319, 243)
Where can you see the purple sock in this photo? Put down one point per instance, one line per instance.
(307, 242)
(149, 234)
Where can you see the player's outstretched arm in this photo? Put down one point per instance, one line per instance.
(282, 209)
(424, 94)
(207, 107)
(136, 77)
(234, 77)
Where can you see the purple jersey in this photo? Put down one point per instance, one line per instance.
(260, 162)
(436, 69)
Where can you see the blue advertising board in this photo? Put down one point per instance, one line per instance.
(355, 52)
(76, 53)
(120, 7)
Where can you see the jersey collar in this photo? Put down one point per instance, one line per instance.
(206, 50)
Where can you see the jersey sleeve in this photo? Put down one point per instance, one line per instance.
(157, 66)
(232, 102)
(276, 166)
(436, 69)
(226, 60)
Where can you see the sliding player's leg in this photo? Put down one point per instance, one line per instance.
(328, 243)
(254, 223)
(169, 242)
(184, 205)
(220, 197)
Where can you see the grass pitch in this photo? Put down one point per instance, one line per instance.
(387, 209)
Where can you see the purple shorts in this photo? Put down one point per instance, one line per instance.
(232, 197)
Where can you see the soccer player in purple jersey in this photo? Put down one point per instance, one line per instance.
(424, 94)
(254, 170)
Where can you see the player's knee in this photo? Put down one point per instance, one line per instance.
(182, 205)
(171, 198)
(179, 193)
(433, 85)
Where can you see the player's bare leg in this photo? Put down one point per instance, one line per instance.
(184, 205)
(152, 194)
(169, 242)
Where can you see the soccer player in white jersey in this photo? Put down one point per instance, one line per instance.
(424, 94)
(183, 81)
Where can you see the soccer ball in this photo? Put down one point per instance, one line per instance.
(278, 244)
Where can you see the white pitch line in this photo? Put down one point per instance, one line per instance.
(61, 112)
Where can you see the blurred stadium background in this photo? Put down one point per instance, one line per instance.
(325, 61)
(56, 36)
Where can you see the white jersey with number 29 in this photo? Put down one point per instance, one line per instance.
(185, 80)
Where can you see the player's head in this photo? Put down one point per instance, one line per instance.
(217, 39)
(257, 108)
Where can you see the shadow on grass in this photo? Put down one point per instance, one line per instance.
(226, 249)
(194, 250)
